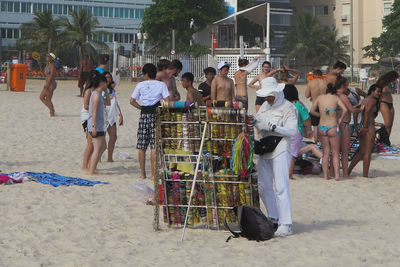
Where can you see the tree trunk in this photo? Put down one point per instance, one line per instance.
(49, 46)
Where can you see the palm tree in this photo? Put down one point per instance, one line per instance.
(335, 47)
(80, 33)
(305, 41)
(41, 31)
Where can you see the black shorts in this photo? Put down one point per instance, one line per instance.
(314, 120)
(85, 76)
(260, 100)
(98, 134)
(146, 131)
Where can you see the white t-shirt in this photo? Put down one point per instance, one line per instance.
(150, 92)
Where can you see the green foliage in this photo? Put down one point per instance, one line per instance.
(79, 35)
(41, 33)
(388, 43)
(314, 45)
(164, 15)
(197, 50)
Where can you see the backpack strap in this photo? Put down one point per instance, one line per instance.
(234, 234)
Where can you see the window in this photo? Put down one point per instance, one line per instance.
(25, 7)
(116, 14)
(9, 33)
(278, 19)
(16, 33)
(35, 7)
(346, 30)
(346, 9)
(17, 7)
(321, 10)
(10, 7)
(3, 6)
(126, 13)
(131, 13)
(139, 13)
(98, 11)
(387, 7)
(308, 10)
(65, 9)
(3, 33)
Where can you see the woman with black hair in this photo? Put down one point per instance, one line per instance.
(388, 83)
(85, 116)
(113, 114)
(367, 132)
(326, 107)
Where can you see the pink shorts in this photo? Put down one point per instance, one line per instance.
(296, 142)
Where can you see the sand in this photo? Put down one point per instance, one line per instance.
(350, 223)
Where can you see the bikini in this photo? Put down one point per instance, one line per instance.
(327, 128)
(390, 105)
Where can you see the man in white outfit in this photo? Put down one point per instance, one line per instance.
(276, 117)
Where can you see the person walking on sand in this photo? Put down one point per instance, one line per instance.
(205, 87)
(167, 73)
(266, 68)
(113, 115)
(367, 132)
(222, 87)
(326, 107)
(149, 92)
(96, 123)
(276, 120)
(388, 83)
(193, 96)
(47, 93)
(84, 72)
(245, 68)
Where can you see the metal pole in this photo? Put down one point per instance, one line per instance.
(115, 55)
(351, 41)
(268, 32)
(131, 62)
(173, 39)
(194, 180)
(241, 45)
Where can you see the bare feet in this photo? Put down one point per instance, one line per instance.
(94, 172)
(338, 179)
(110, 160)
(291, 178)
(85, 169)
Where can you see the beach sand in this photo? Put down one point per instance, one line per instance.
(350, 223)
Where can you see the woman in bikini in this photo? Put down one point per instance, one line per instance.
(266, 68)
(328, 129)
(342, 84)
(388, 83)
(50, 85)
(367, 133)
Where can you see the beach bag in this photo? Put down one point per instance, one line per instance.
(266, 144)
(252, 224)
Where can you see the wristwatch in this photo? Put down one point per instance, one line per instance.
(273, 128)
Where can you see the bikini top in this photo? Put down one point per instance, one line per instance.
(327, 111)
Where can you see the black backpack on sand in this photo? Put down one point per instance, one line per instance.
(252, 224)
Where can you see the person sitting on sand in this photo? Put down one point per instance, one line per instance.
(245, 68)
(96, 124)
(328, 129)
(367, 132)
(192, 94)
(149, 92)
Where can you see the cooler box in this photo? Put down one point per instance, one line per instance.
(18, 77)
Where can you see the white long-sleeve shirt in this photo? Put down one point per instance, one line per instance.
(283, 115)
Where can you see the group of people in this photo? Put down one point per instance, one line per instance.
(281, 120)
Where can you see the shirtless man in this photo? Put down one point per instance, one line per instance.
(84, 72)
(315, 88)
(167, 71)
(193, 95)
(222, 87)
(245, 68)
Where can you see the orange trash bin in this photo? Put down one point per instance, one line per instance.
(18, 77)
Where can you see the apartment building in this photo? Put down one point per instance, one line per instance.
(366, 20)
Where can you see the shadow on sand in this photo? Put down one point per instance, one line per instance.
(321, 226)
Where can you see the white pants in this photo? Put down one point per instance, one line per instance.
(276, 169)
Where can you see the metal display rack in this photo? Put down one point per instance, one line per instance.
(217, 189)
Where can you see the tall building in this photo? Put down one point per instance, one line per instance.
(366, 20)
(281, 21)
(121, 18)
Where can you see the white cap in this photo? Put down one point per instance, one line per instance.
(223, 64)
(269, 85)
